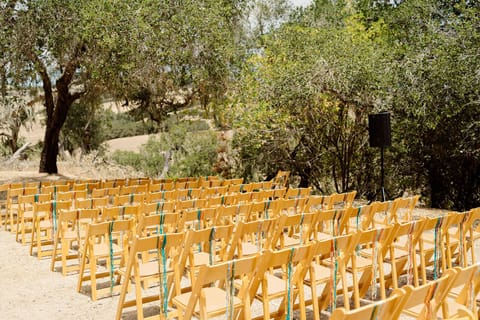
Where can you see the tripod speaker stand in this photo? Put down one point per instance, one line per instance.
(380, 137)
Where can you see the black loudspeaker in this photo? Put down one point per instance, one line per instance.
(379, 129)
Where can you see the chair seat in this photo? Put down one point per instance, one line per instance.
(202, 258)
(216, 300)
(249, 249)
(276, 286)
(103, 249)
(291, 241)
(322, 274)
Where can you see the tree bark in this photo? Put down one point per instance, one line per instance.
(57, 110)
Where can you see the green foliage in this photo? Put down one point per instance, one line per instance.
(304, 101)
(86, 128)
(124, 125)
(183, 150)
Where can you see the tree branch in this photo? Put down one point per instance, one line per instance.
(68, 73)
(47, 83)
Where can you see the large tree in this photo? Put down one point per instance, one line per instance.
(80, 48)
(305, 97)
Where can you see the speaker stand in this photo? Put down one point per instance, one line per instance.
(382, 173)
(383, 192)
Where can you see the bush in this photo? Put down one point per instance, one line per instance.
(189, 152)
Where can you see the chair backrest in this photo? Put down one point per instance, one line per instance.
(209, 274)
(159, 207)
(261, 210)
(380, 212)
(389, 308)
(257, 234)
(158, 223)
(330, 222)
(97, 193)
(315, 202)
(430, 296)
(402, 209)
(186, 205)
(101, 230)
(121, 213)
(298, 227)
(165, 195)
(129, 199)
(296, 259)
(92, 203)
(281, 179)
(214, 241)
(198, 218)
(298, 192)
(290, 206)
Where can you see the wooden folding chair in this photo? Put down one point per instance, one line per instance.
(100, 246)
(4, 219)
(164, 252)
(425, 301)
(79, 187)
(402, 253)
(55, 188)
(121, 213)
(72, 225)
(463, 293)
(282, 273)
(164, 222)
(99, 193)
(356, 219)
(372, 247)
(71, 195)
(389, 308)
(329, 223)
(290, 206)
(470, 234)
(281, 179)
(90, 203)
(293, 193)
(262, 210)
(432, 253)
(45, 225)
(402, 209)
(328, 268)
(215, 293)
(225, 215)
(234, 181)
(138, 181)
(380, 212)
(15, 191)
(198, 218)
(188, 205)
(165, 195)
(129, 199)
(206, 246)
(215, 201)
(251, 238)
(137, 188)
(25, 214)
(293, 230)
(159, 207)
(337, 201)
(315, 203)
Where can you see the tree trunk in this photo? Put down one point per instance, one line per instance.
(56, 110)
(48, 159)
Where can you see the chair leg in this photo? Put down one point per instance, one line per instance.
(93, 277)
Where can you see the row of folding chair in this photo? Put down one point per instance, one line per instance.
(271, 274)
(63, 192)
